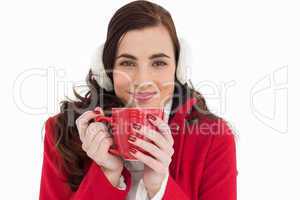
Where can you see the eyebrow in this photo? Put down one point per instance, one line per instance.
(157, 55)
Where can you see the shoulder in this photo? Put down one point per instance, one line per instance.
(50, 122)
(222, 144)
(50, 132)
(220, 132)
(52, 154)
(211, 131)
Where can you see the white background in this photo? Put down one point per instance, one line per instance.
(245, 62)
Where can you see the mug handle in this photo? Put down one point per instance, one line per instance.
(108, 120)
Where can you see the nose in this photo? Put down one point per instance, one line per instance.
(142, 79)
(142, 86)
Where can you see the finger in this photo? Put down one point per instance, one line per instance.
(95, 144)
(106, 142)
(152, 149)
(94, 129)
(162, 126)
(154, 136)
(82, 122)
(87, 142)
(150, 162)
(107, 159)
(99, 110)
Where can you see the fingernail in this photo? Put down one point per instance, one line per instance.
(137, 126)
(132, 138)
(151, 117)
(97, 112)
(132, 150)
(98, 108)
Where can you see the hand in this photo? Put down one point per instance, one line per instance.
(156, 165)
(96, 142)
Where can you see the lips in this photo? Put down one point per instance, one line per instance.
(143, 96)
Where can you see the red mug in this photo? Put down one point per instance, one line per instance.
(121, 122)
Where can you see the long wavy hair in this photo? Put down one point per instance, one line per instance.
(135, 15)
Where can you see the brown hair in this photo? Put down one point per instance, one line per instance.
(135, 15)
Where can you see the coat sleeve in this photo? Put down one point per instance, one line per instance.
(94, 185)
(142, 192)
(220, 171)
(173, 191)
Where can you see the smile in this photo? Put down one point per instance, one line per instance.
(143, 96)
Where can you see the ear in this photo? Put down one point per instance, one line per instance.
(98, 70)
(182, 71)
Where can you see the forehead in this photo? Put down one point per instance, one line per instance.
(144, 42)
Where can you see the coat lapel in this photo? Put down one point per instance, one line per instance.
(177, 126)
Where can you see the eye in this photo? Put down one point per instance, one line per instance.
(159, 63)
(127, 63)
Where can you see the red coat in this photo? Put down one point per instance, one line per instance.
(203, 166)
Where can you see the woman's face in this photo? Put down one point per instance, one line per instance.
(144, 69)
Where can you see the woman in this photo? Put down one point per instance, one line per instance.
(193, 155)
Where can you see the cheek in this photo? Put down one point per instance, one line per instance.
(166, 86)
(166, 78)
(121, 84)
